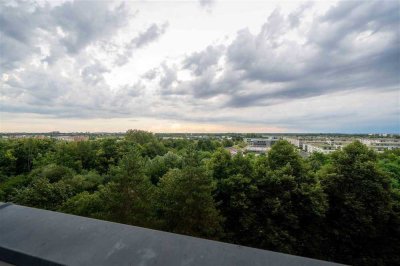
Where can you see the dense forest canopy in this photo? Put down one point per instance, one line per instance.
(343, 207)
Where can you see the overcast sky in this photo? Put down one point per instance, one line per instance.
(200, 66)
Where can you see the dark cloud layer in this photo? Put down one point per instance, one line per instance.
(66, 29)
(49, 67)
(58, 77)
(354, 46)
(86, 21)
(19, 24)
(198, 62)
(151, 34)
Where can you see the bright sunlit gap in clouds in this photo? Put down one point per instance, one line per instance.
(200, 66)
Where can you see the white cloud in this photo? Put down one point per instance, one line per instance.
(289, 66)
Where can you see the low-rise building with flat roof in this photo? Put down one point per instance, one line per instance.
(260, 145)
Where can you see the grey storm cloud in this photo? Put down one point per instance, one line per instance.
(168, 77)
(353, 46)
(351, 17)
(296, 16)
(86, 21)
(73, 83)
(198, 62)
(151, 34)
(134, 90)
(151, 74)
(127, 95)
(19, 24)
(93, 73)
(58, 96)
(69, 28)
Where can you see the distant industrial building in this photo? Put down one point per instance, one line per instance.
(72, 138)
(298, 142)
(319, 147)
(327, 145)
(382, 144)
(260, 145)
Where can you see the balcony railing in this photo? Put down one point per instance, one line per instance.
(30, 236)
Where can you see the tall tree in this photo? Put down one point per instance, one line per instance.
(289, 204)
(128, 197)
(363, 219)
(185, 203)
(220, 164)
(106, 155)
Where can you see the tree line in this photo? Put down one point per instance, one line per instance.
(342, 207)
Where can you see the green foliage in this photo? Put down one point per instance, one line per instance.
(139, 136)
(241, 165)
(86, 154)
(220, 164)
(148, 144)
(159, 166)
(152, 149)
(106, 155)
(8, 159)
(343, 207)
(227, 143)
(17, 156)
(283, 154)
(89, 181)
(85, 204)
(10, 186)
(206, 145)
(389, 162)
(185, 204)
(176, 144)
(67, 154)
(128, 197)
(361, 217)
(317, 160)
(43, 194)
(289, 204)
(236, 195)
(53, 172)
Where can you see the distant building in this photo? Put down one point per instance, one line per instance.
(328, 144)
(319, 147)
(72, 138)
(80, 138)
(64, 138)
(382, 144)
(20, 136)
(260, 145)
(167, 137)
(298, 142)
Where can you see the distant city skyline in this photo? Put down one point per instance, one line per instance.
(200, 66)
